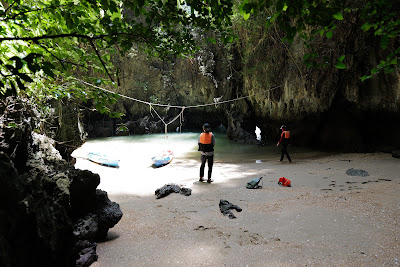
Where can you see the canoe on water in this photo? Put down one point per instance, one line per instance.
(103, 159)
(163, 159)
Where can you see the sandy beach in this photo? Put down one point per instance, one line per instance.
(327, 217)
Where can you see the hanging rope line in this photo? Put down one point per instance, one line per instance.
(173, 106)
(180, 115)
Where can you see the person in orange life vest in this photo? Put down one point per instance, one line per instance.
(206, 146)
(284, 141)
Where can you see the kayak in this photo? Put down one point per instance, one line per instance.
(163, 159)
(103, 159)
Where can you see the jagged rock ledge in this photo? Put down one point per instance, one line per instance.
(51, 214)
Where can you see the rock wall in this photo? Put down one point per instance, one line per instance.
(65, 126)
(178, 81)
(51, 214)
(323, 107)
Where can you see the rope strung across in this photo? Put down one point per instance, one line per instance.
(180, 115)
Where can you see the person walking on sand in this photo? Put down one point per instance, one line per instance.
(206, 147)
(284, 141)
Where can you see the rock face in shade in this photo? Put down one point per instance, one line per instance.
(44, 199)
(323, 107)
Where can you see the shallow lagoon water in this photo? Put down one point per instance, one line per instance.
(140, 148)
(137, 175)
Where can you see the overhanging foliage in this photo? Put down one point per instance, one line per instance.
(50, 40)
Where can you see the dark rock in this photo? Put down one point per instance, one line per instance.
(83, 191)
(70, 133)
(166, 190)
(42, 196)
(396, 154)
(103, 216)
(34, 219)
(237, 133)
(108, 214)
(86, 228)
(354, 172)
(86, 253)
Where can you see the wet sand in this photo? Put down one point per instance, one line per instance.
(327, 218)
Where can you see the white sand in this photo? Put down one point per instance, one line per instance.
(326, 218)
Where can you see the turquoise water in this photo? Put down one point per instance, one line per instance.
(184, 146)
(136, 175)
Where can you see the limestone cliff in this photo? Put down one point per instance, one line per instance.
(323, 107)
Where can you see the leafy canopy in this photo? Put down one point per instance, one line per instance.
(51, 40)
(44, 42)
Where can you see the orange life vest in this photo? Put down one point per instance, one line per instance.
(205, 142)
(286, 134)
(205, 138)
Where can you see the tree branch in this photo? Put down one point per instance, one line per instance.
(14, 16)
(9, 7)
(62, 60)
(48, 51)
(37, 38)
(66, 35)
(101, 60)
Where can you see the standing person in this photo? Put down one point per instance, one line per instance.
(284, 141)
(206, 146)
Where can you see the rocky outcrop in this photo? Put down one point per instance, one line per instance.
(198, 80)
(44, 199)
(323, 107)
(64, 125)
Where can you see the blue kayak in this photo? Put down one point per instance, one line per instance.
(163, 159)
(103, 159)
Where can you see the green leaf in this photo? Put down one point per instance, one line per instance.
(365, 77)
(12, 125)
(384, 42)
(211, 40)
(338, 16)
(340, 66)
(366, 26)
(329, 34)
(246, 16)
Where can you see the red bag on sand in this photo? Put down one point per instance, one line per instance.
(284, 182)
